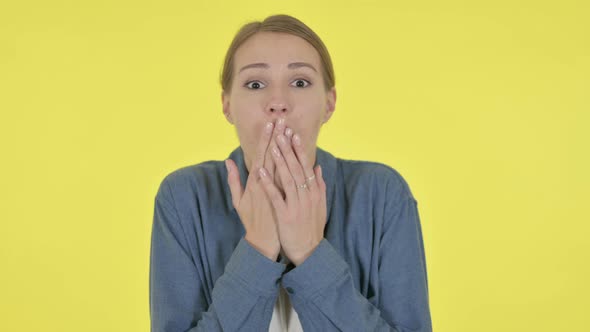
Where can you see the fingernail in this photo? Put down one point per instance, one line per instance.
(268, 127)
(281, 121)
(288, 132)
(282, 139)
(296, 139)
(262, 172)
(227, 166)
(276, 152)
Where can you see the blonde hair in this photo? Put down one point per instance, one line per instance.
(277, 23)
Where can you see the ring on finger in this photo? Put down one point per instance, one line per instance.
(309, 178)
(302, 186)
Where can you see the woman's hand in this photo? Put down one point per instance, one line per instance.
(254, 208)
(302, 213)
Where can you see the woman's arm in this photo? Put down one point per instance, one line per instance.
(242, 299)
(323, 293)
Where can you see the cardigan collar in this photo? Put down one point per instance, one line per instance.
(323, 158)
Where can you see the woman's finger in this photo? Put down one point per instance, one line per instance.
(304, 161)
(269, 164)
(285, 175)
(265, 139)
(273, 193)
(320, 180)
(291, 160)
(289, 133)
(234, 181)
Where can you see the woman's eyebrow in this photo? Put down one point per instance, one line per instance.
(255, 65)
(293, 65)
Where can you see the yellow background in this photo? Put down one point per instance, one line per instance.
(482, 106)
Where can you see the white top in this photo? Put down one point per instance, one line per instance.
(284, 317)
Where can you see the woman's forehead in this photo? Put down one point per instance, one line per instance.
(275, 49)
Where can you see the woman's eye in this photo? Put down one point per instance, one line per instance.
(254, 85)
(300, 83)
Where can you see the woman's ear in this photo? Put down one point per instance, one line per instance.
(330, 104)
(225, 107)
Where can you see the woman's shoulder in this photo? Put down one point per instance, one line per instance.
(381, 177)
(189, 178)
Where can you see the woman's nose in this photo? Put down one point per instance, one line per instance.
(277, 104)
(277, 108)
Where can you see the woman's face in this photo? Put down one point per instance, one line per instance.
(277, 75)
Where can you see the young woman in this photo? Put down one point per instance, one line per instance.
(284, 236)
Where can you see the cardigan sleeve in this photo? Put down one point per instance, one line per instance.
(323, 293)
(242, 298)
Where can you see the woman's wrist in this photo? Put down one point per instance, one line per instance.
(268, 254)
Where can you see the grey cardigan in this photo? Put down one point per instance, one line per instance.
(367, 274)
